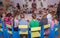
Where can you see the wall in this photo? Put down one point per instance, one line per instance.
(52, 2)
(45, 4)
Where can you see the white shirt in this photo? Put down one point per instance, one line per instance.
(49, 17)
(16, 22)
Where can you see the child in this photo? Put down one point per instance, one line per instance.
(34, 22)
(16, 22)
(23, 22)
(49, 16)
(43, 22)
(52, 29)
(3, 16)
(7, 19)
(56, 26)
(44, 19)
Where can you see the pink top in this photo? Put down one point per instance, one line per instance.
(52, 23)
(7, 21)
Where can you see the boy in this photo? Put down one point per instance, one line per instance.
(23, 22)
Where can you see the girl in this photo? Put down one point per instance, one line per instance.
(53, 26)
(3, 16)
(56, 26)
(7, 19)
(16, 22)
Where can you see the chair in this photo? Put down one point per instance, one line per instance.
(23, 27)
(35, 32)
(56, 29)
(46, 27)
(1, 29)
(10, 31)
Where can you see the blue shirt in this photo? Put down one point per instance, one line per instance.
(23, 22)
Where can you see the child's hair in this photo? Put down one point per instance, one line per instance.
(34, 16)
(27, 20)
(53, 12)
(44, 14)
(38, 19)
(55, 17)
(16, 14)
(8, 15)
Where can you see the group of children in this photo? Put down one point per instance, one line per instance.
(18, 18)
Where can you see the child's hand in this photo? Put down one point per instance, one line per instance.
(56, 29)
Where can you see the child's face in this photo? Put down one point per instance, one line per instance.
(53, 18)
(16, 17)
(43, 14)
(10, 17)
(3, 15)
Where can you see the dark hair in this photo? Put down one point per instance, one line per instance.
(8, 15)
(34, 16)
(55, 17)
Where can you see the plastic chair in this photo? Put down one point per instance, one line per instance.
(43, 27)
(1, 29)
(52, 32)
(24, 29)
(35, 32)
(46, 27)
(56, 29)
(10, 31)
